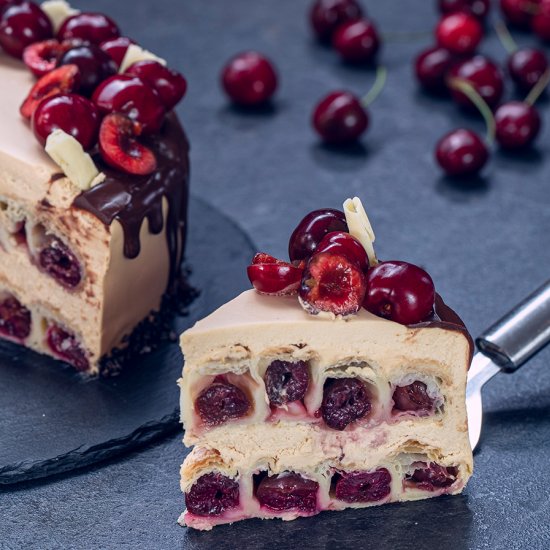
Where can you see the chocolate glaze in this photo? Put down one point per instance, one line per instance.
(130, 199)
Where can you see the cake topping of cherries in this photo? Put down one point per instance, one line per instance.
(212, 494)
(286, 382)
(90, 27)
(269, 275)
(362, 486)
(220, 402)
(288, 491)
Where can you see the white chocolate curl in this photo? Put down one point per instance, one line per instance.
(360, 227)
(57, 11)
(136, 53)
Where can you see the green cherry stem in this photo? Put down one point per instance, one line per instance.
(538, 88)
(379, 82)
(505, 37)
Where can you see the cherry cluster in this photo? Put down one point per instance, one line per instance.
(79, 88)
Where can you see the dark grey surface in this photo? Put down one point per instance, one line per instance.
(486, 248)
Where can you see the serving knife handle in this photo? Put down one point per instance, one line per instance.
(520, 333)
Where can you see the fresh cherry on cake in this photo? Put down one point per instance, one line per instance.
(526, 66)
(541, 20)
(269, 275)
(327, 15)
(288, 491)
(117, 48)
(460, 33)
(400, 291)
(360, 486)
(66, 347)
(341, 242)
(169, 84)
(212, 494)
(412, 397)
(432, 476)
(120, 148)
(479, 8)
(88, 26)
(517, 124)
(41, 57)
(249, 79)
(461, 152)
(58, 261)
(431, 67)
(286, 381)
(309, 233)
(345, 400)
(220, 402)
(15, 318)
(130, 95)
(63, 80)
(93, 63)
(357, 41)
(519, 12)
(331, 283)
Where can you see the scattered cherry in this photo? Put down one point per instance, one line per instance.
(249, 79)
(431, 68)
(412, 397)
(479, 8)
(541, 20)
(41, 57)
(518, 12)
(327, 15)
(269, 275)
(526, 66)
(362, 486)
(459, 32)
(289, 491)
(309, 233)
(58, 261)
(220, 402)
(517, 124)
(432, 476)
(286, 382)
(340, 118)
(340, 242)
(21, 24)
(461, 152)
(345, 400)
(357, 41)
(212, 494)
(332, 283)
(88, 26)
(15, 319)
(116, 48)
(66, 347)
(400, 291)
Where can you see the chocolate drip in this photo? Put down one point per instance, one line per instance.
(132, 199)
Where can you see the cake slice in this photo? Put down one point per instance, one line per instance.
(300, 406)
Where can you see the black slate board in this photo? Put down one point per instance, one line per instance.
(54, 420)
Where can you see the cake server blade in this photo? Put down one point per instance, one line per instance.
(505, 347)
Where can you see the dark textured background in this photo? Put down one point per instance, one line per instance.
(486, 247)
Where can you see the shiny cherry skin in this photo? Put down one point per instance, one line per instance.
(212, 494)
(357, 41)
(400, 291)
(517, 124)
(309, 233)
(22, 24)
(90, 27)
(431, 67)
(327, 15)
(461, 152)
(526, 66)
(340, 118)
(479, 8)
(541, 20)
(518, 12)
(15, 318)
(116, 48)
(340, 242)
(268, 275)
(288, 491)
(460, 33)
(249, 79)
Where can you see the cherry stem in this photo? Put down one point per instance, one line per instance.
(505, 37)
(472, 94)
(379, 82)
(538, 88)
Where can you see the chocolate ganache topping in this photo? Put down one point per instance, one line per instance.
(130, 199)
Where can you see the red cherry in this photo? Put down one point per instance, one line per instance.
(340, 118)
(459, 32)
(517, 124)
(71, 113)
(519, 12)
(412, 397)
(15, 318)
(66, 347)
(345, 400)
(362, 486)
(221, 402)
(541, 20)
(288, 491)
(286, 382)
(461, 153)
(116, 48)
(327, 15)
(130, 95)
(60, 262)
(212, 494)
(339, 242)
(21, 24)
(275, 277)
(41, 57)
(249, 79)
(526, 66)
(432, 476)
(356, 41)
(479, 8)
(88, 26)
(431, 68)
(169, 84)
(400, 291)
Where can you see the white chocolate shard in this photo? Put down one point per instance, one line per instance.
(57, 11)
(68, 154)
(136, 53)
(360, 227)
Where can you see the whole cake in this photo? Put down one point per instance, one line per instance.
(350, 394)
(93, 212)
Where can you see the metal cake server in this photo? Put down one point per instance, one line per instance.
(505, 347)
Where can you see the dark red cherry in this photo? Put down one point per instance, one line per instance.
(116, 48)
(400, 291)
(479, 8)
(431, 67)
(22, 24)
(41, 57)
(432, 476)
(220, 402)
(88, 26)
(357, 41)
(212, 494)
(309, 233)
(269, 275)
(541, 20)
(460, 33)
(288, 491)
(340, 242)
(66, 346)
(362, 486)
(412, 397)
(340, 118)
(526, 66)
(286, 382)
(249, 79)
(326, 15)
(461, 153)
(15, 318)
(345, 400)
(58, 261)
(517, 124)
(519, 12)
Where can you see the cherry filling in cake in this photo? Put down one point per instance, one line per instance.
(430, 476)
(57, 260)
(287, 491)
(220, 402)
(360, 486)
(345, 400)
(15, 318)
(286, 382)
(212, 494)
(65, 346)
(412, 398)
